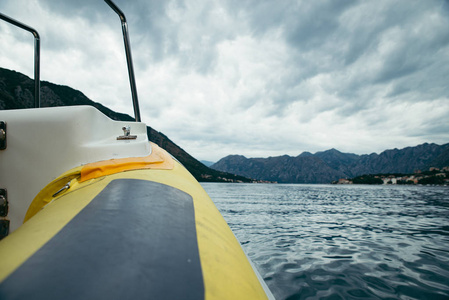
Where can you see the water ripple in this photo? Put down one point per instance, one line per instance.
(342, 242)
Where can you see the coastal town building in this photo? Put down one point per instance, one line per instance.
(344, 181)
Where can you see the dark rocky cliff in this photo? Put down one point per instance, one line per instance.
(17, 92)
(405, 160)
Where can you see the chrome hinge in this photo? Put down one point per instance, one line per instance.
(127, 134)
(4, 207)
(2, 135)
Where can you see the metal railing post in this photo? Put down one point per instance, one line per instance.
(37, 83)
(129, 59)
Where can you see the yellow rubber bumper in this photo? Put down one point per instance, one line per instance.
(226, 271)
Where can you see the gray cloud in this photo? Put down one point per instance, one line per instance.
(306, 75)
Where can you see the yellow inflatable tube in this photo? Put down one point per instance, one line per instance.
(126, 229)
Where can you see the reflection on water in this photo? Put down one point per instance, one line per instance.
(342, 242)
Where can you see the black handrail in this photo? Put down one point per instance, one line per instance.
(37, 47)
(129, 59)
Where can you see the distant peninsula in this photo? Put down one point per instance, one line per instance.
(433, 176)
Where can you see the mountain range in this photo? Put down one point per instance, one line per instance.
(330, 165)
(17, 92)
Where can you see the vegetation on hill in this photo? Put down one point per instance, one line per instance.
(367, 179)
(17, 92)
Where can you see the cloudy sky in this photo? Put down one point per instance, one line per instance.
(257, 78)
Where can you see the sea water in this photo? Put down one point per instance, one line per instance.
(342, 241)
